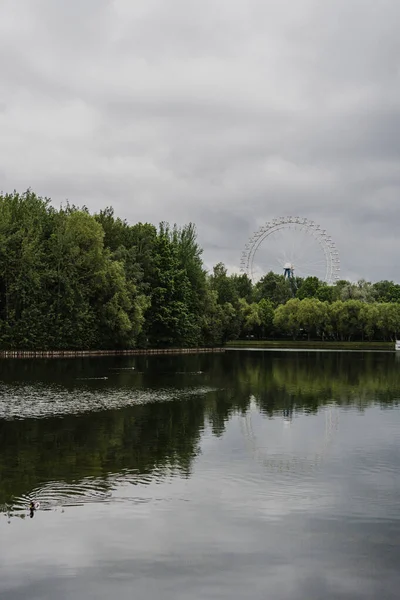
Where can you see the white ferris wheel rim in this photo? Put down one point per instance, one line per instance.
(328, 247)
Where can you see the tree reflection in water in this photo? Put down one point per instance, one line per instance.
(85, 453)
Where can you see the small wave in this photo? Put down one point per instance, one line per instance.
(41, 401)
(56, 495)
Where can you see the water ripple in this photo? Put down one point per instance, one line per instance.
(55, 495)
(40, 401)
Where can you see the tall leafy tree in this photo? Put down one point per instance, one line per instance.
(273, 287)
(168, 319)
(223, 285)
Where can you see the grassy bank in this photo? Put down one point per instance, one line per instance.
(311, 345)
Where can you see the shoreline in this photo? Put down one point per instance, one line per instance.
(90, 353)
(231, 345)
(312, 345)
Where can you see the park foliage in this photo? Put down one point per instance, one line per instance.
(74, 280)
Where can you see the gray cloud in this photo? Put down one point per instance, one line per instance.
(225, 113)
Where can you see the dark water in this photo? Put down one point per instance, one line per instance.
(241, 475)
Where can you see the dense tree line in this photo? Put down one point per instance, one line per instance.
(72, 280)
(311, 309)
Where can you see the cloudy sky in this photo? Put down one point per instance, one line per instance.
(227, 113)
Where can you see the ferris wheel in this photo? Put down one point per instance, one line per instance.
(293, 246)
(284, 457)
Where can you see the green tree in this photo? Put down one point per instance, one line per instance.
(386, 291)
(24, 229)
(223, 285)
(313, 317)
(388, 320)
(243, 286)
(362, 290)
(325, 292)
(250, 317)
(266, 311)
(345, 319)
(168, 319)
(273, 287)
(287, 318)
(309, 288)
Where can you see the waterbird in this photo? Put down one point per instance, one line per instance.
(32, 507)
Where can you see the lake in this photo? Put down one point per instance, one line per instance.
(246, 474)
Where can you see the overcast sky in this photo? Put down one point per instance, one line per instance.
(226, 113)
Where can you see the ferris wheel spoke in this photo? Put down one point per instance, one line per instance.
(312, 264)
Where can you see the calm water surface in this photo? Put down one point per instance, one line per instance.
(241, 475)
